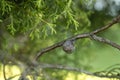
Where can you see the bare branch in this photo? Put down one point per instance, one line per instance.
(78, 36)
(24, 74)
(61, 67)
(48, 49)
(106, 41)
(4, 73)
(114, 21)
(40, 66)
(12, 77)
(68, 68)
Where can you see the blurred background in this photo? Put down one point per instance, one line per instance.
(28, 26)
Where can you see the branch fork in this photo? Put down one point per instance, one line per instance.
(92, 35)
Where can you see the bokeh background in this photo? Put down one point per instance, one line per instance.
(27, 26)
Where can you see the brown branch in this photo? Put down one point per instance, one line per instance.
(106, 41)
(4, 73)
(114, 21)
(12, 77)
(78, 36)
(40, 66)
(48, 49)
(24, 74)
(68, 68)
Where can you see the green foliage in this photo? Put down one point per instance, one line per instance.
(43, 17)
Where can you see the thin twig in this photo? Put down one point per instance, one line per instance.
(114, 21)
(85, 35)
(12, 77)
(4, 73)
(68, 68)
(106, 41)
(61, 67)
(78, 36)
(48, 49)
(24, 74)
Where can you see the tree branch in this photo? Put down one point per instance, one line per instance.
(4, 74)
(114, 21)
(78, 36)
(102, 74)
(61, 67)
(106, 41)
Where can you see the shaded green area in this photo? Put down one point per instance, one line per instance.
(105, 55)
